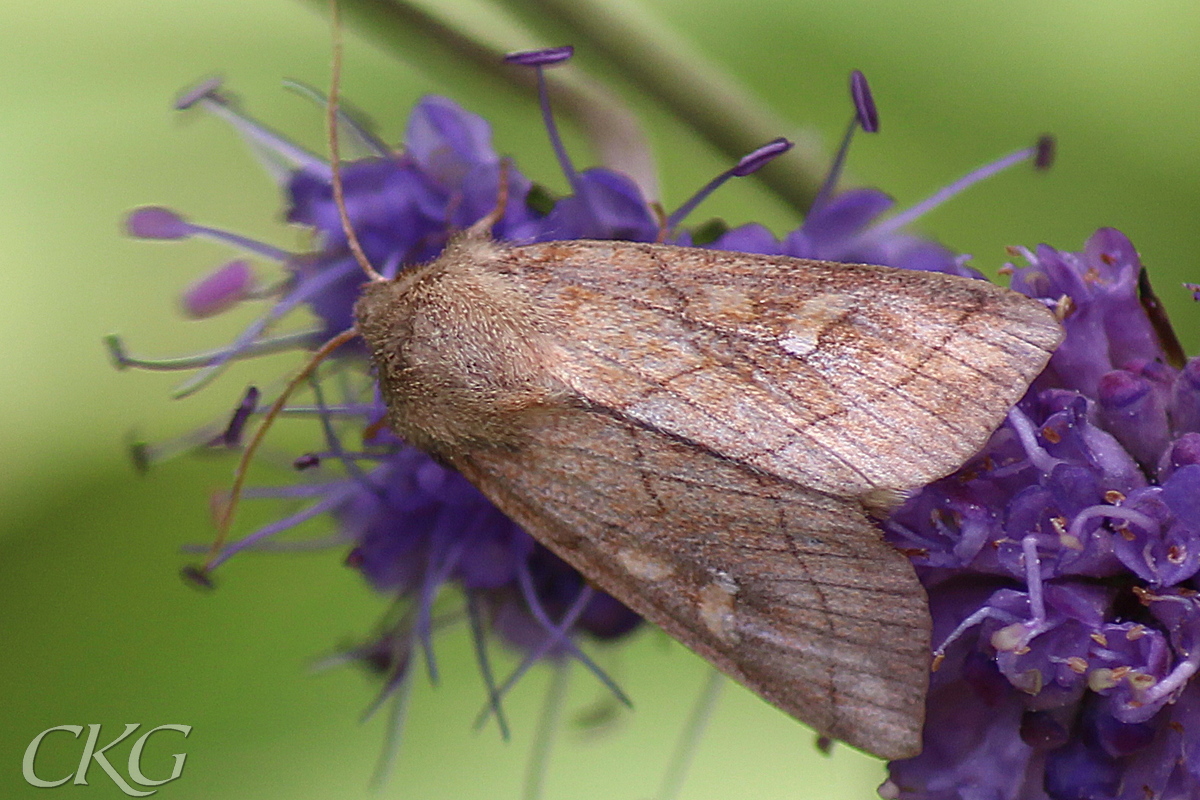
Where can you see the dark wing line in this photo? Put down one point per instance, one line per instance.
(913, 372)
(834, 663)
(828, 612)
(662, 387)
(792, 545)
(621, 416)
(608, 412)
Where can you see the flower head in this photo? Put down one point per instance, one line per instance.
(1061, 564)
(411, 525)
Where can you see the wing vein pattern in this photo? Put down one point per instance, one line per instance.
(728, 421)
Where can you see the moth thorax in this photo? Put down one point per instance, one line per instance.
(459, 353)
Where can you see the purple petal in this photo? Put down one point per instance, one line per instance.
(1182, 495)
(839, 219)
(1185, 398)
(1134, 413)
(609, 206)
(749, 238)
(447, 140)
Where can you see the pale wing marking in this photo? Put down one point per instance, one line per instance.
(644, 408)
(916, 391)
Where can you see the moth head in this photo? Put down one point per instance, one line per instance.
(460, 351)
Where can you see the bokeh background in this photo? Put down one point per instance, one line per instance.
(95, 626)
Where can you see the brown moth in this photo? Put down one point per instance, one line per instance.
(707, 436)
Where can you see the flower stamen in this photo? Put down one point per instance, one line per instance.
(479, 639)
(866, 116)
(747, 165)
(157, 222)
(225, 518)
(539, 60)
(305, 290)
(1041, 153)
(121, 359)
(279, 154)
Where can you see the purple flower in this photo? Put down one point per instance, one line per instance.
(413, 527)
(1061, 564)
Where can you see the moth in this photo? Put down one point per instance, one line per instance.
(708, 436)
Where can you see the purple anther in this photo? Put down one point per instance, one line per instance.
(1046, 147)
(864, 102)
(232, 437)
(545, 57)
(218, 291)
(200, 91)
(306, 461)
(197, 577)
(156, 222)
(752, 162)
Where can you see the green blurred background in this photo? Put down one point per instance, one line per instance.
(95, 625)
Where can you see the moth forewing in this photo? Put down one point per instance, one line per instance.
(803, 369)
(701, 434)
(791, 592)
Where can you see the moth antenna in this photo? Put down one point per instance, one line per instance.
(335, 158)
(660, 219)
(225, 519)
(373, 430)
(483, 226)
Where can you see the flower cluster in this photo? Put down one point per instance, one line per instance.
(1061, 563)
